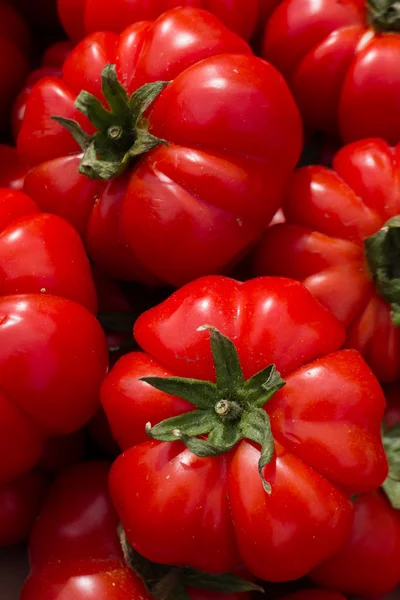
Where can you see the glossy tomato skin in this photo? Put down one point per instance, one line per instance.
(51, 65)
(163, 492)
(82, 17)
(329, 213)
(368, 562)
(52, 350)
(77, 521)
(56, 251)
(84, 580)
(99, 580)
(20, 501)
(345, 75)
(74, 549)
(234, 136)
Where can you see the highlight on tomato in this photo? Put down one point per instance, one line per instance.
(182, 174)
(257, 367)
(51, 65)
(53, 351)
(339, 239)
(341, 60)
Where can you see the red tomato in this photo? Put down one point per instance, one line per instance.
(51, 65)
(53, 352)
(12, 168)
(20, 501)
(344, 73)
(53, 357)
(189, 208)
(14, 64)
(330, 216)
(62, 452)
(92, 580)
(313, 594)
(369, 561)
(171, 501)
(74, 549)
(42, 253)
(77, 521)
(82, 17)
(85, 580)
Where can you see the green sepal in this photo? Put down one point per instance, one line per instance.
(116, 95)
(382, 251)
(224, 435)
(144, 97)
(384, 15)
(165, 582)
(229, 374)
(92, 108)
(262, 386)
(202, 394)
(82, 138)
(122, 132)
(196, 422)
(228, 411)
(202, 448)
(391, 486)
(255, 425)
(225, 583)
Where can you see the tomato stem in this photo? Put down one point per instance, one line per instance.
(384, 15)
(122, 132)
(165, 582)
(228, 411)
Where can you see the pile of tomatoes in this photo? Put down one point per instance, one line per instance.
(200, 298)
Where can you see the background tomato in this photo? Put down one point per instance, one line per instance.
(77, 521)
(51, 64)
(344, 73)
(330, 216)
(368, 563)
(20, 501)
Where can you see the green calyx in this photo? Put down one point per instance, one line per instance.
(384, 15)
(391, 443)
(382, 251)
(122, 132)
(227, 411)
(164, 582)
